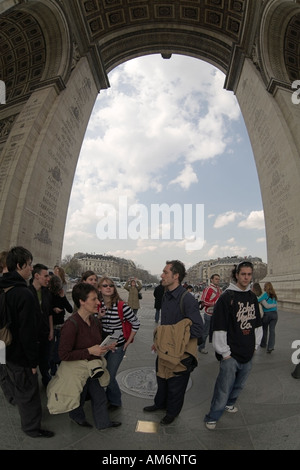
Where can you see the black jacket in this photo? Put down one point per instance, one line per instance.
(42, 311)
(158, 294)
(23, 349)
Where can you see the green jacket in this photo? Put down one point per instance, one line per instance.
(133, 296)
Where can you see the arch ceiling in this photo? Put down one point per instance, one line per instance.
(127, 28)
(35, 34)
(114, 31)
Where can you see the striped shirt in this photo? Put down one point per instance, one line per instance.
(111, 322)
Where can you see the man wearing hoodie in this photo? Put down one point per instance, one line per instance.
(237, 332)
(22, 353)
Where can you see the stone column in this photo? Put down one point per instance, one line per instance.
(38, 163)
(271, 120)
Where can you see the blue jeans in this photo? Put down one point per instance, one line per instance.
(97, 395)
(229, 384)
(269, 321)
(114, 360)
(207, 321)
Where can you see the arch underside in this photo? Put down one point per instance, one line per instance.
(115, 31)
(38, 45)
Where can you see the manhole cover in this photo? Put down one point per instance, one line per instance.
(140, 382)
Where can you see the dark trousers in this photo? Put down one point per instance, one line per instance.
(97, 395)
(170, 393)
(27, 397)
(6, 385)
(44, 360)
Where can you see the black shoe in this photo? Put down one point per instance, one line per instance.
(115, 424)
(42, 433)
(151, 408)
(84, 424)
(269, 351)
(294, 375)
(167, 420)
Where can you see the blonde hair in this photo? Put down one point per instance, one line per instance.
(270, 290)
(115, 297)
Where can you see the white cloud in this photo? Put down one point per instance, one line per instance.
(255, 220)
(219, 251)
(149, 133)
(186, 177)
(227, 218)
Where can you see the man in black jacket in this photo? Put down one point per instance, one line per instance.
(43, 309)
(22, 353)
(158, 294)
(237, 332)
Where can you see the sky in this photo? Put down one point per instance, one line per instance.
(166, 169)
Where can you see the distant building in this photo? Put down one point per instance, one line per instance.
(201, 272)
(112, 266)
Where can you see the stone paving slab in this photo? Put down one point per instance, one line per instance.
(268, 417)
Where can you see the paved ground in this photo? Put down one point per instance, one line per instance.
(268, 417)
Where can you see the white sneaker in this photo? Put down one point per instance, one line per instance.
(231, 409)
(203, 351)
(211, 424)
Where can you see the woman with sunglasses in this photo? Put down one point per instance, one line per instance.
(111, 324)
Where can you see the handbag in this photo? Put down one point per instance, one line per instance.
(140, 295)
(126, 325)
(5, 319)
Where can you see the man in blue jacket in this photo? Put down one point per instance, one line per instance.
(170, 392)
(22, 353)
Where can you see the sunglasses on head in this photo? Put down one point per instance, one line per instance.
(107, 285)
(246, 264)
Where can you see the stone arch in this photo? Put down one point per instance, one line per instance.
(52, 90)
(36, 48)
(280, 31)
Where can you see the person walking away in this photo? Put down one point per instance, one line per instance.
(133, 286)
(158, 295)
(181, 327)
(43, 309)
(270, 318)
(237, 332)
(112, 325)
(258, 292)
(209, 298)
(22, 354)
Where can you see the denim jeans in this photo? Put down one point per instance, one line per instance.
(114, 359)
(207, 321)
(229, 384)
(54, 357)
(268, 323)
(97, 395)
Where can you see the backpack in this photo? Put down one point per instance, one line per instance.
(126, 325)
(5, 319)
